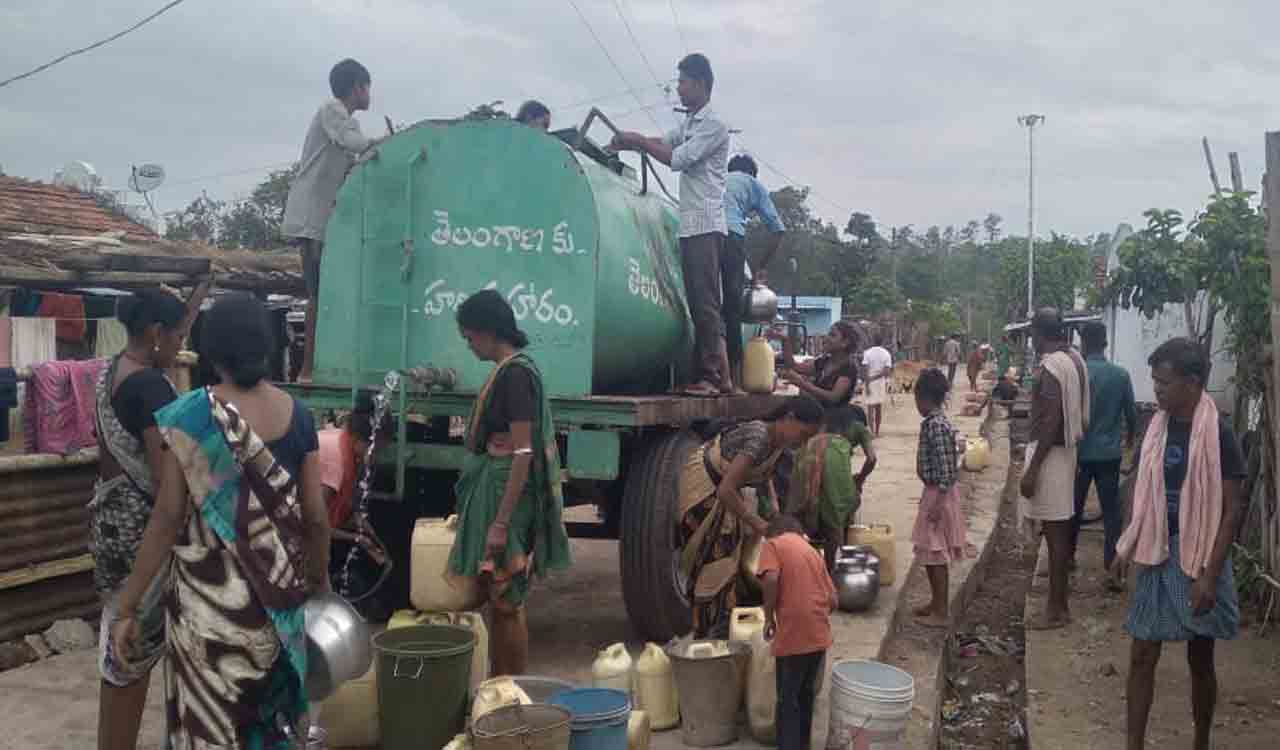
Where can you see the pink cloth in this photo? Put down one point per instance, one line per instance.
(58, 413)
(943, 541)
(331, 461)
(1146, 540)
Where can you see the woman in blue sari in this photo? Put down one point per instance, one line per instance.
(239, 507)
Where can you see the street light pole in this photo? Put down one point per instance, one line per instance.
(1030, 122)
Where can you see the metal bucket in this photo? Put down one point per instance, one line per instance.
(537, 726)
(709, 712)
(540, 689)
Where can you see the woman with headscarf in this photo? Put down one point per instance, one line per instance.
(714, 518)
(131, 389)
(510, 509)
(240, 509)
(1186, 507)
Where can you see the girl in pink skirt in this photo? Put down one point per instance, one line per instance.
(939, 532)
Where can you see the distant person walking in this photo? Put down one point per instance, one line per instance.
(877, 367)
(744, 196)
(1113, 421)
(333, 141)
(1059, 417)
(699, 150)
(951, 355)
(977, 358)
(1186, 506)
(535, 114)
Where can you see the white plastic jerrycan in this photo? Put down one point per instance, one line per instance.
(612, 669)
(656, 688)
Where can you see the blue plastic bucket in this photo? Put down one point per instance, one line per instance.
(600, 717)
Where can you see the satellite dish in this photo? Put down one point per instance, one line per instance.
(146, 178)
(79, 175)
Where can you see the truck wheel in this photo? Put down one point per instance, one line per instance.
(651, 585)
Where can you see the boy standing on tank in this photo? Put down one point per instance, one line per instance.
(799, 597)
(333, 142)
(699, 150)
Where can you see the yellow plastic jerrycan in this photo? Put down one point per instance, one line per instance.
(744, 624)
(656, 688)
(430, 589)
(496, 693)
(612, 669)
(762, 690)
(474, 622)
(757, 366)
(350, 715)
(744, 621)
(638, 730)
(976, 454)
(878, 536)
(403, 618)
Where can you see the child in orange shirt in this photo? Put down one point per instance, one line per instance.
(798, 600)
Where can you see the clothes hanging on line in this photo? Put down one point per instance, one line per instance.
(25, 303)
(110, 338)
(58, 410)
(32, 341)
(8, 399)
(6, 342)
(68, 310)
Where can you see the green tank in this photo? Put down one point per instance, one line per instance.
(586, 255)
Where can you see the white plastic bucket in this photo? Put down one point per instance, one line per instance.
(870, 705)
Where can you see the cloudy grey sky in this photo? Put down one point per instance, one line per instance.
(905, 110)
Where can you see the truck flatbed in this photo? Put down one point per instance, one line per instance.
(595, 411)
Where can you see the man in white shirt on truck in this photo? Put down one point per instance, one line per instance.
(333, 142)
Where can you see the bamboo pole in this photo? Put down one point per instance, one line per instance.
(1271, 204)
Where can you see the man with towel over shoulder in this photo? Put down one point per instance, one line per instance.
(1059, 417)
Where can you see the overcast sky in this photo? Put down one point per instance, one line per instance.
(905, 110)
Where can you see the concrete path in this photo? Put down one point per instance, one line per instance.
(53, 703)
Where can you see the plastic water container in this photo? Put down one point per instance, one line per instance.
(430, 589)
(496, 693)
(879, 537)
(612, 669)
(600, 718)
(744, 624)
(638, 731)
(655, 685)
(976, 454)
(350, 715)
(870, 705)
(757, 366)
(474, 622)
(762, 691)
(406, 618)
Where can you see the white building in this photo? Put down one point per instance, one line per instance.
(1132, 338)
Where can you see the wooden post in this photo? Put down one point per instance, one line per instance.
(1213, 171)
(1271, 204)
(1237, 177)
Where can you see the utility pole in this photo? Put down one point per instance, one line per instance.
(1030, 122)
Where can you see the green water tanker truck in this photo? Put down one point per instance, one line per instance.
(585, 249)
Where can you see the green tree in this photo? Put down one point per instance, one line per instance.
(874, 295)
(200, 221)
(1061, 269)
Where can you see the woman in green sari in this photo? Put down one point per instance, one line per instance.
(824, 491)
(510, 509)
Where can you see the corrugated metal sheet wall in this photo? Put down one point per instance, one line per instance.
(44, 519)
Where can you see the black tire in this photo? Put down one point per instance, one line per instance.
(656, 601)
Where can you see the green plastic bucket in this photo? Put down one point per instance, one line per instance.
(424, 676)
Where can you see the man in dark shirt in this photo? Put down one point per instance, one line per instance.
(1113, 421)
(1167, 602)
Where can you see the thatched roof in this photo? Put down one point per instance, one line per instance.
(56, 237)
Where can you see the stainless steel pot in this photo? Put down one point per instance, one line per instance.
(759, 304)
(857, 578)
(338, 646)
